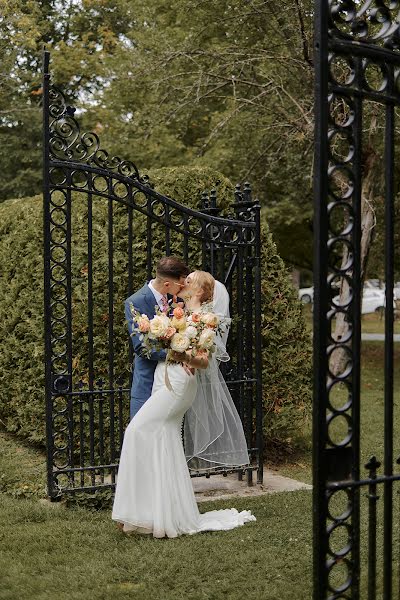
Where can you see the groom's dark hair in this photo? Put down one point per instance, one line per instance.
(171, 267)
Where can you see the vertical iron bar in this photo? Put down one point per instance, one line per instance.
(47, 290)
(110, 292)
(185, 238)
(82, 438)
(90, 288)
(398, 542)
(167, 231)
(110, 397)
(69, 344)
(90, 334)
(130, 277)
(112, 435)
(90, 340)
(101, 430)
(149, 241)
(373, 498)
(249, 345)
(212, 251)
(204, 246)
(356, 338)
(239, 331)
(130, 245)
(120, 420)
(320, 328)
(221, 260)
(204, 208)
(258, 343)
(388, 393)
(239, 343)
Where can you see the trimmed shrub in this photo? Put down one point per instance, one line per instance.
(286, 344)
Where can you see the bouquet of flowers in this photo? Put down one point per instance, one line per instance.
(182, 331)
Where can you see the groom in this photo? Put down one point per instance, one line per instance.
(171, 273)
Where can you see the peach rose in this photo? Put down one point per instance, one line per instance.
(144, 324)
(178, 312)
(169, 333)
(196, 318)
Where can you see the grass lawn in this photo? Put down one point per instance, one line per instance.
(370, 323)
(372, 417)
(49, 551)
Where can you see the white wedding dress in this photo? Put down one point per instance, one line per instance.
(154, 493)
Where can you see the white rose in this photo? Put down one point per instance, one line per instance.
(206, 339)
(210, 319)
(191, 332)
(179, 342)
(159, 325)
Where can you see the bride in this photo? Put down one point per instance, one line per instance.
(154, 493)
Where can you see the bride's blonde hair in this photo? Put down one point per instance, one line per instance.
(206, 282)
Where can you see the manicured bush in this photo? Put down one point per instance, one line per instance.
(286, 344)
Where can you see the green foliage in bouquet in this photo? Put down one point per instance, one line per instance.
(286, 345)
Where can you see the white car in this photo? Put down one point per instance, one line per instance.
(376, 284)
(306, 295)
(373, 301)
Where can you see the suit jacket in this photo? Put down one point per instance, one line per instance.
(143, 373)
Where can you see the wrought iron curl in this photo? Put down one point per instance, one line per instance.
(372, 21)
(68, 143)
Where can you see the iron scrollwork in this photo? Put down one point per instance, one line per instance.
(87, 414)
(66, 142)
(357, 60)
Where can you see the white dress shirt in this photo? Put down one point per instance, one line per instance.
(156, 294)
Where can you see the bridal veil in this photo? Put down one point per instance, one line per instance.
(213, 431)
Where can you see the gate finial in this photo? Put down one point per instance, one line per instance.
(209, 203)
(204, 203)
(244, 204)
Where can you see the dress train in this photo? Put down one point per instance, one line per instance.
(154, 492)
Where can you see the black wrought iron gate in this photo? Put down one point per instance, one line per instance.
(357, 58)
(104, 227)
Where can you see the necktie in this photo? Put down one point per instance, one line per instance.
(165, 305)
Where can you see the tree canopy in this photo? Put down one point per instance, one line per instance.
(226, 84)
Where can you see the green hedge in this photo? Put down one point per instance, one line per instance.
(286, 344)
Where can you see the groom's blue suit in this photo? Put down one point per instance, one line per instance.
(143, 372)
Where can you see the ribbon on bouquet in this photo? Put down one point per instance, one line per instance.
(166, 377)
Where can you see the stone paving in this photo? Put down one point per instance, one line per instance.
(218, 487)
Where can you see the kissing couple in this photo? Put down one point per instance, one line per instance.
(154, 493)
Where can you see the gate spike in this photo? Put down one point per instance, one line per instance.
(213, 199)
(238, 192)
(247, 192)
(204, 200)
